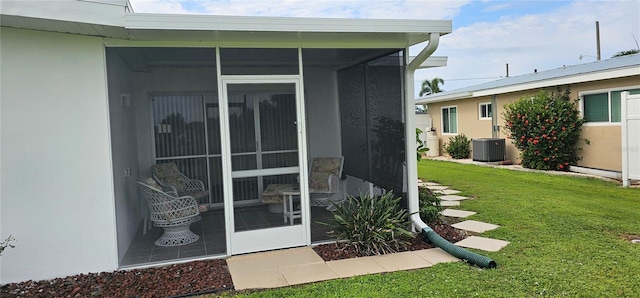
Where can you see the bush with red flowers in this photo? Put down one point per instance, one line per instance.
(546, 129)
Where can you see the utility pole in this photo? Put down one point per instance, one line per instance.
(597, 40)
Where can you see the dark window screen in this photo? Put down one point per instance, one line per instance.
(371, 108)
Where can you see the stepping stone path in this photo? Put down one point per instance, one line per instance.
(449, 198)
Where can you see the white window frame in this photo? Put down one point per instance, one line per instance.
(608, 91)
(442, 120)
(484, 106)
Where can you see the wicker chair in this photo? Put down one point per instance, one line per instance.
(168, 175)
(324, 181)
(172, 213)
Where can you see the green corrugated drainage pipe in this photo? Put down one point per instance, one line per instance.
(447, 246)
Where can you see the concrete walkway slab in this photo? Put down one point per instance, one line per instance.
(435, 255)
(453, 198)
(307, 273)
(294, 256)
(401, 261)
(302, 265)
(475, 226)
(261, 279)
(457, 213)
(355, 267)
(482, 243)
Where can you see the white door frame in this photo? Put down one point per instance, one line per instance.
(270, 238)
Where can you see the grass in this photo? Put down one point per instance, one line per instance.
(566, 234)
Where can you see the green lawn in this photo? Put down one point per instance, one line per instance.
(565, 234)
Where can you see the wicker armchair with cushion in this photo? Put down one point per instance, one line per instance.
(172, 213)
(168, 175)
(324, 181)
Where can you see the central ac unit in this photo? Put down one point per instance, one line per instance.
(488, 149)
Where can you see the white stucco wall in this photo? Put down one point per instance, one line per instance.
(56, 193)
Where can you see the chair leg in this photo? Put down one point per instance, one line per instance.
(176, 236)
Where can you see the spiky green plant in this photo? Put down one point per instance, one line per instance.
(371, 225)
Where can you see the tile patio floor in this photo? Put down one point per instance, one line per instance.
(212, 235)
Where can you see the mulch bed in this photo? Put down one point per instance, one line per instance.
(340, 250)
(196, 277)
(174, 280)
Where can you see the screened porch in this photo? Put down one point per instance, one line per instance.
(165, 106)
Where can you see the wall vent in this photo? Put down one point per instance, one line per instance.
(488, 149)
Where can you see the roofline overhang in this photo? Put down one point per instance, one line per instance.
(282, 24)
(580, 78)
(114, 21)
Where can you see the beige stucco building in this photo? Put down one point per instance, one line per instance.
(476, 111)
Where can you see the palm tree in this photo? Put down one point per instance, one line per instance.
(430, 87)
(627, 52)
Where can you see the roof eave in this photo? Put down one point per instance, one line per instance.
(318, 32)
(567, 80)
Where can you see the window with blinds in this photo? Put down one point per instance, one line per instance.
(449, 120)
(604, 107)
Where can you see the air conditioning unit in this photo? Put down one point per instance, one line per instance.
(488, 149)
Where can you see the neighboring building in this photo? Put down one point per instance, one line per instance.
(476, 111)
(93, 95)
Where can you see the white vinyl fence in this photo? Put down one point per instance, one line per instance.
(630, 138)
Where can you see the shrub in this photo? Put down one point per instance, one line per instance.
(371, 225)
(458, 147)
(430, 207)
(545, 128)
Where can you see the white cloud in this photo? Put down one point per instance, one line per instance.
(537, 41)
(479, 50)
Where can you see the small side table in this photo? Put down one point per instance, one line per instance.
(287, 205)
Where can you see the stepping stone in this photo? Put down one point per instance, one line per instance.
(482, 243)
(449, 203)
(447, 191)
(475, 226)
(419, 180)
(452, 198)
(437, 187)
(457, 213)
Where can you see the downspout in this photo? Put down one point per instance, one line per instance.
(412, 164)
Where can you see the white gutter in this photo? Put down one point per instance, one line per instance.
(410, 130)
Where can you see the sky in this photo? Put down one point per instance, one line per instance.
(487, 35)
